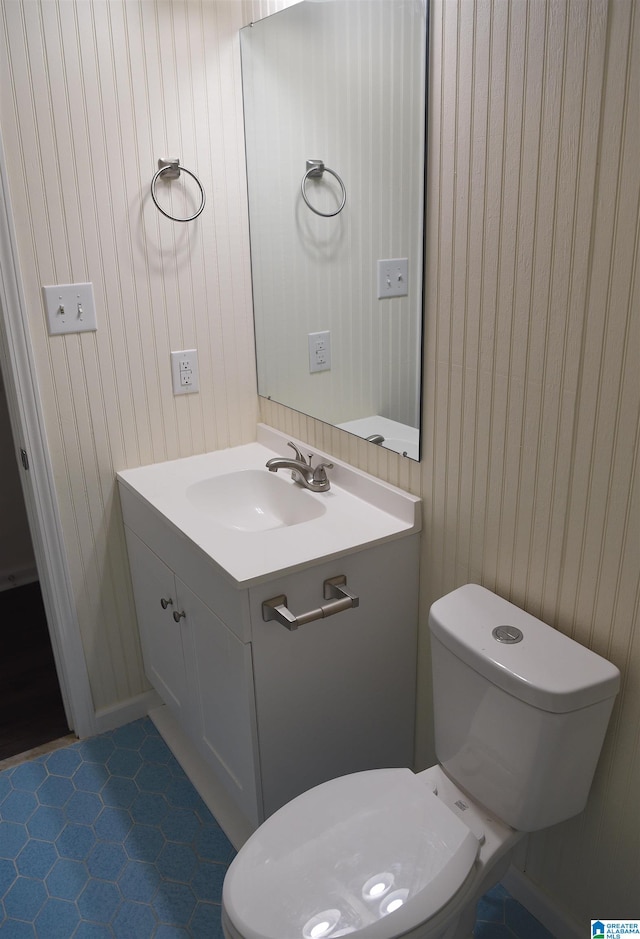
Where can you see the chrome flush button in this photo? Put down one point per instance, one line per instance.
(509, 634)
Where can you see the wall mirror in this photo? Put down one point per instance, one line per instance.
(334, 104)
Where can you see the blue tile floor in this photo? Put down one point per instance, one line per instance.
(107, 839)
(499, 916)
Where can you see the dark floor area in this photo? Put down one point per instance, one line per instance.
(31, 709)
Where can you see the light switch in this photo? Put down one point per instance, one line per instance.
(184, 371)
(393, 278)
(70, 308)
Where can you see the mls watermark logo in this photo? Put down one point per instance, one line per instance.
(611, 929)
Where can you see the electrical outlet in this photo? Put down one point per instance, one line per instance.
(320, 351)
(184, 371)
(185, 361)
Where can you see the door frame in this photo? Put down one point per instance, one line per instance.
(17, 363)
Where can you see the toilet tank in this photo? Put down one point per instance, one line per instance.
(520, 715)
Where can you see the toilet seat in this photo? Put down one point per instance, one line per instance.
(373, 854)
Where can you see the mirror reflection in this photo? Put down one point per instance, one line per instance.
(334, 101)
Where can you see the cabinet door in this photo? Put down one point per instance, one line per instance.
(220, 669)
(160, 635)
(337, 695)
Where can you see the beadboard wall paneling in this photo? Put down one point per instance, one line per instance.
(597, 593)
(91, 95)
(532, 388)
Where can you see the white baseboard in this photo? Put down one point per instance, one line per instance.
(125, 711)
(556, 920)
(234, 824)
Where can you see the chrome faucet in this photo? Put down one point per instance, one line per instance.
(311, 477)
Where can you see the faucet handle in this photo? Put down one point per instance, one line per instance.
(319, 472)
(299, 455)
(297, 452)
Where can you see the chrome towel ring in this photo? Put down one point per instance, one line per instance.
(316, 168)
(171, 169)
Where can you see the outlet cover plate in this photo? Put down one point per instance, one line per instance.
(320, 351)
(184, 372)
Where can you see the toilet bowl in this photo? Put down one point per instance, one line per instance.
(520, 714)
(375, 874)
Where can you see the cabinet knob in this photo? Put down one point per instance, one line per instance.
(178, 616)
(165, 603)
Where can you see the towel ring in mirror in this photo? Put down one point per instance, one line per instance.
(315, 168)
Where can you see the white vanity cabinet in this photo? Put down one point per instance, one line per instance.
(286, 709)
(274, 711)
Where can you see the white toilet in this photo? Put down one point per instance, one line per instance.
(520, 715)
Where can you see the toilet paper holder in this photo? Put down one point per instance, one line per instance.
(334, 589)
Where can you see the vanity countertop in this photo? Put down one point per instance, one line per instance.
(255, 525)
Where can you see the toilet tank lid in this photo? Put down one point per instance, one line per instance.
(545, 668)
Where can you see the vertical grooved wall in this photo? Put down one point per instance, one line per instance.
(91, 95)
(531, 386)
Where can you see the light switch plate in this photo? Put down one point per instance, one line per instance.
(393, 278)
(70, 308)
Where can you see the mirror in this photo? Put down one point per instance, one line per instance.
(336, 253)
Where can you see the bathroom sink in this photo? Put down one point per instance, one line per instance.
(253, 500)
(254, 524)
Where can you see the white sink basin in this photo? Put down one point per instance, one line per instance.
(254, 524)
(253, 500)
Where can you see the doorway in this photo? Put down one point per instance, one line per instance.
(31, 708)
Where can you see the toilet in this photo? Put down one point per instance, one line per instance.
(520, 716)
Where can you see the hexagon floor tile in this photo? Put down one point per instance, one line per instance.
(107, 839)
(499, 916)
